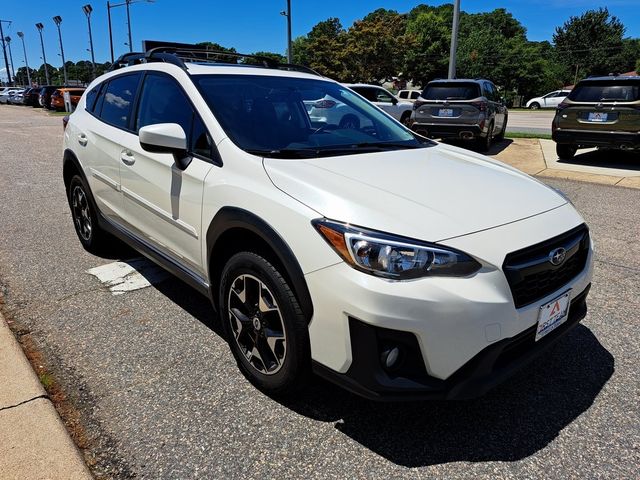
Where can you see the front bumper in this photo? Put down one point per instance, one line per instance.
(590, 138)
(459, 327)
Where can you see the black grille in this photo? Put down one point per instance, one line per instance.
(532, 276)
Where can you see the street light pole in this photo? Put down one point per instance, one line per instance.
(58, 20)
(4, 51)
(110, 33)
(26, 62)
(40, 27)
(87, 11)
(454, 39)
(287, 14)
(13, 70)
(129, 25)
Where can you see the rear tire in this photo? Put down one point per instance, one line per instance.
(85, 216)
(267, 332)
(484, 143)
(566, 152)
(406, 116)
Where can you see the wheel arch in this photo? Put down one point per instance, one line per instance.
(70, 166)
(235, 229)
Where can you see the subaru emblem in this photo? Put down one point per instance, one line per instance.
(557, 256)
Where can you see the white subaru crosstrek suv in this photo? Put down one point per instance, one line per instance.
(395, 266)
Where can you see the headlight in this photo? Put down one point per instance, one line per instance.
(393, 257)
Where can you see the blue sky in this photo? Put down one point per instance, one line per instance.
(248, 25)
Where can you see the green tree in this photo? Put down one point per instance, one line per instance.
(270, 55)
(428, 35)
(591, 42)
(323, 49)
(374, 47)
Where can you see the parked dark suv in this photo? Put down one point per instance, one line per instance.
(599, 112)
(45, 95)
(465, 109)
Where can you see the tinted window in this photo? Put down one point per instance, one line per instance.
(200, 140)
(415, 94)
(118, 100)
(162, 101)
(91, 98)
(274, 116)
(606, 91)
(451, 91)
(368, 93)
(383, 96)
(403, 95)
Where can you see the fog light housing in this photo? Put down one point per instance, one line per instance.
(390, 358)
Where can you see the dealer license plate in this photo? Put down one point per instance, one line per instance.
(597, 117)
(445, 112)
(552, 315)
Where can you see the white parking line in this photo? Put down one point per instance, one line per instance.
(134, 274)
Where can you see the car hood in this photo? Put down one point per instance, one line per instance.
(431, 194)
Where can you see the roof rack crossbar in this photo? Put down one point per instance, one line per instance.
(180, 56)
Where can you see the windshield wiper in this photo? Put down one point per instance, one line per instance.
(385, 145)
(286, 153)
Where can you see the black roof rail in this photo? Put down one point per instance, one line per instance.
(180, 56)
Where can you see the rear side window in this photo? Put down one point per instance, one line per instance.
(90, 100)
(118, 99)
(415, 94)
(451, 91)
(606, 91)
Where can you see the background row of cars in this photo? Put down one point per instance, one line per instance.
(48, 96)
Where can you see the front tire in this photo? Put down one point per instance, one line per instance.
(264, 324)
(85, 218)
(566, 152)
(534, 106)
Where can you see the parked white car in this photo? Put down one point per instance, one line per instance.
(7, 94)
(550, 100)
(390, 264)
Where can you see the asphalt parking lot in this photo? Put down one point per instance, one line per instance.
(158, 394)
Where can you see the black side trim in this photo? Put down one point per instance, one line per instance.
(154, 255)
(231, 217)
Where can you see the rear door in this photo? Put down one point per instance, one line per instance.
(163, 204)
(102, 132)
(449, 103)
(553, 99)
(603, 105)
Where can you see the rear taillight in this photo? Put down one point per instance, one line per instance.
(65, 122)
(417, 104)
(482, 106)
(324, 104)
(562, 106)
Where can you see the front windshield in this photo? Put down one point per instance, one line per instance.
(286, 117)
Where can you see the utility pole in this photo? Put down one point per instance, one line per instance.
(287, 14)
(454, 39)
(40, 27)
(129, 25)
(13, 70)
(4, 51)
(87, 9)
(26, 62)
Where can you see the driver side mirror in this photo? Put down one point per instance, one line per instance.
(166, 138)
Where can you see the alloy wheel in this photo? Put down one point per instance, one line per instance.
(256, 324)
(81, 213)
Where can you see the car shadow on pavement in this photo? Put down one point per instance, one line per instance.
(606, 158)
(511, 422)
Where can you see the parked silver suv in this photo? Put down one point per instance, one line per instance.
(466, 109)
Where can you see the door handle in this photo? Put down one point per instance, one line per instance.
(127, 157)
(82, 139)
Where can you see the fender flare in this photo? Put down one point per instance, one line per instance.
(229, 218)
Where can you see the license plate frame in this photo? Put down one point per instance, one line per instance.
(445, 112)
(597, 117)
(549, 319)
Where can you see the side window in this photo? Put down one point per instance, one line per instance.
(368, 93)
(91, 98)
(383, 96)
(415, 95)
(201, 143)
(118, 100)
(403, 94)
(162, 101)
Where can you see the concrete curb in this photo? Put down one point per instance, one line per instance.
(538, 157)
(34, 443)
